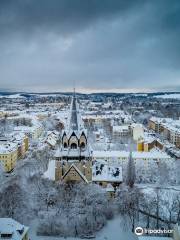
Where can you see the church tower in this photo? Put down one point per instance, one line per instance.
(73, 158)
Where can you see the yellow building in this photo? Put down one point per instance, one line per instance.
(26, 142)
(13, 147)
(8, 155)
(145, 145)
(140, 146)
(22, 142)
(2, 114)
(153, 125)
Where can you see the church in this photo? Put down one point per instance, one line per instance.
(74, 160)
(74, 156)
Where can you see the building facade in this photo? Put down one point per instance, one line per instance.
(168, 128)
(73, 157)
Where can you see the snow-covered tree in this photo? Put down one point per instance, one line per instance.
(1, 172)
(131, 175)
(163, 174)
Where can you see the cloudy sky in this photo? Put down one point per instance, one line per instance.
(100, 45)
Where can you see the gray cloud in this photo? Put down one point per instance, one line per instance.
(46, 45)
(61, 16)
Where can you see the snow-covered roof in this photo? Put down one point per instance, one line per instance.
(137, 125)
(136, 155)
(71, 152)
(169, 96)
(109, 188)
(13, 228)
(52, 138)
(148, 138)
(121, 128)
(12, 96)
(7, 147)
(169, 123)
(50, 173)
(106, 172)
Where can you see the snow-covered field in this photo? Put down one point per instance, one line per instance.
(114, 230)
(12, 96)
(172, 95)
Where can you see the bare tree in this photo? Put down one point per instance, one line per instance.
(128, 202)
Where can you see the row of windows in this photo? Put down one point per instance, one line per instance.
(7, 160)
(74, 145)
(2, 156)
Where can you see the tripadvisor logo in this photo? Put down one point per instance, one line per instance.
(139, 231)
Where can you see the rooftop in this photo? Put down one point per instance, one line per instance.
(15, 230)
(155, 154)
(7, 147)
(106, 172)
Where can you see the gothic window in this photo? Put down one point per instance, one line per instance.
(73, 146)
(82, 145)
(65, 145)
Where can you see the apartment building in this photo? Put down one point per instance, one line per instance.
(8, 155)
(168, 128)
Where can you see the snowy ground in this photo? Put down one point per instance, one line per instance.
(172, 95)
(114, 230)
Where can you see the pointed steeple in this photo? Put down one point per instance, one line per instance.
(73, 124)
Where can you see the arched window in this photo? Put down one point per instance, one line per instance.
(65, 145)
(73, 146)
(82, 145)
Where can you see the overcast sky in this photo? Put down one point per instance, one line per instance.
(101, 45)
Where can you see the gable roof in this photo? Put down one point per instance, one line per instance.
(77, 170)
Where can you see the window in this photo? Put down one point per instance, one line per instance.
(82, 145)
(6, 235)
(73, 146)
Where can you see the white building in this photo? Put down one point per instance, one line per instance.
(122, 130)
(121, 157)
(52, 138)
(138, 131)
(33, 132)
(12, 230)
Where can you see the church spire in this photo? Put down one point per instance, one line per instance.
(73, 125)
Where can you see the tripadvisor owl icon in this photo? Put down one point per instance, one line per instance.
(139, 231)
